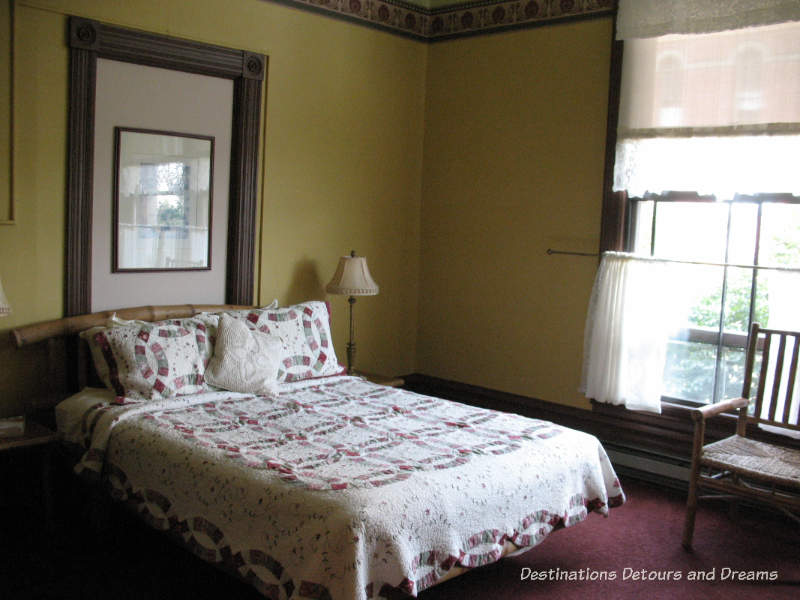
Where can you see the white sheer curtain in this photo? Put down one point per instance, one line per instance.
(634, 309)
(719, 166)
(640, 316)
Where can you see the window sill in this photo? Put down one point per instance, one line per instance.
(672, 431)
(669, 433)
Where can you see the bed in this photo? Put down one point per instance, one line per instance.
(317, 484)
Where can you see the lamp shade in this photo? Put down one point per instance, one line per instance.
(5, 307)
(352, 278)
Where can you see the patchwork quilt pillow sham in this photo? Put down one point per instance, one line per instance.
(305, 335)
(244, 360)
(205, 325)
(149, 361)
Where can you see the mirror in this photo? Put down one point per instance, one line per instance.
(162, 201)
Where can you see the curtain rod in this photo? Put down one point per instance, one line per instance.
(703, 263)
(571, 253)
(550, 251)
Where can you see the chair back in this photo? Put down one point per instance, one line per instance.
(777, 398)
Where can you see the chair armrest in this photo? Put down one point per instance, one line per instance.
(699, 416)
(711, 410)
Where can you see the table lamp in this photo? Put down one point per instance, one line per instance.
(352, 279)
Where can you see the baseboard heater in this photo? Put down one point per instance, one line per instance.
(642, 464)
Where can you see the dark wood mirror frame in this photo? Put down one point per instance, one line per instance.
(90, 40)
(123, 134)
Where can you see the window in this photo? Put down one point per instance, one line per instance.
(705, 359)
(707, 152)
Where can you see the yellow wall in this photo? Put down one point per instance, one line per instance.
(342, 164)
(5, 107)
(514, 150)
(452, 166)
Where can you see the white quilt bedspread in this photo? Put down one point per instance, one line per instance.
(343, 489)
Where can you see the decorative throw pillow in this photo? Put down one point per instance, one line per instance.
(305, 334)
(203, 324)
(148, 360)
(244, 360)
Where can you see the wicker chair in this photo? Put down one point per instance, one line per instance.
(738, 467)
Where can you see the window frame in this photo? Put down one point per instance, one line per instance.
(718, 337)
(614, 220)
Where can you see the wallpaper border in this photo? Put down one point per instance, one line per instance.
(460, 20)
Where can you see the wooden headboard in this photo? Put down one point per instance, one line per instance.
(69, 366)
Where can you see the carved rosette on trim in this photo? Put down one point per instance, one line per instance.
(83, 33)
(252, 66)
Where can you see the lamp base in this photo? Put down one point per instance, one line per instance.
(351, 358)
(351, 344)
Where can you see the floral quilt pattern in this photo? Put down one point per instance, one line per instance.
(339, 488)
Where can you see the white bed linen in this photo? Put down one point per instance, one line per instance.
(339, 488)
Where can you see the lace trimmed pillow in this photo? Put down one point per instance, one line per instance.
(147, 361)
(305, 334)
(244, 360)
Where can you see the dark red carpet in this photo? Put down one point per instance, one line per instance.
(135, 563)
(643, 537)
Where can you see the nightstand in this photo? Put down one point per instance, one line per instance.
(37, 436)
(382, 379)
